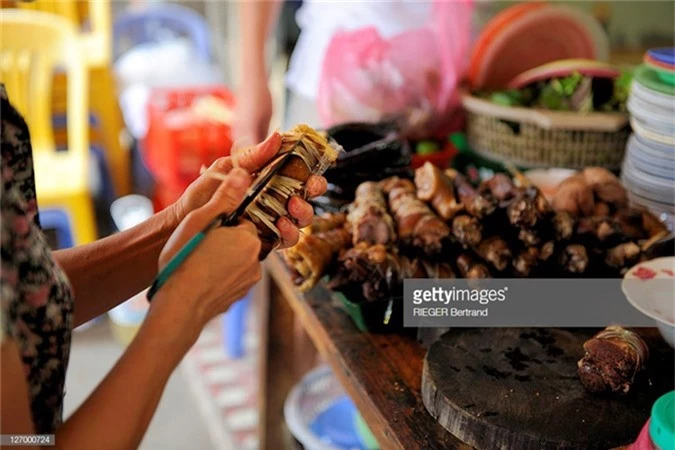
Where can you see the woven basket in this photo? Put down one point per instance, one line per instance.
(531, 138)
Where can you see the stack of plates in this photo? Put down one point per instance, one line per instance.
(649, 166)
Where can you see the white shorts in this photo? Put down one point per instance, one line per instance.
(300, 109)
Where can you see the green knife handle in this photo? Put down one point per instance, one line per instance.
(174, 263)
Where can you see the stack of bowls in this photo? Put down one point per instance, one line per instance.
(649, 165)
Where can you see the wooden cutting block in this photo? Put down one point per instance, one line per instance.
(517, 388)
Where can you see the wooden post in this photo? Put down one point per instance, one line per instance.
(276, 377)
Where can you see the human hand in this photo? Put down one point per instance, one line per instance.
(252, 159)
(218, 272)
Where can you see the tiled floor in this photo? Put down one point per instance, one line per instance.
(225, 389)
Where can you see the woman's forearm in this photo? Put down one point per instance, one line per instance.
(256, 19)
(116, 415)
(111, 270)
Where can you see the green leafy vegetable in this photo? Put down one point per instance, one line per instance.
(551, 96)
(621, 92)
(511, 97)
(574, 92)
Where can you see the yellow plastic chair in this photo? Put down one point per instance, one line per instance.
(96, 38)
(92, 17)
(32, 45)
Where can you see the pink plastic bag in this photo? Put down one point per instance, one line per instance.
(412, 76)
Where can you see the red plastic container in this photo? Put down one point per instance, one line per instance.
(178, 141)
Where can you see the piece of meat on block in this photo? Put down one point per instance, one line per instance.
(612, 360)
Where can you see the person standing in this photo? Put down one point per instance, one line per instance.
(318, 21)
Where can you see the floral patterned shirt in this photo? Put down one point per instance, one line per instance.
(36, 298)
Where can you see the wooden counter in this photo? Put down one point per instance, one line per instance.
(381, 373)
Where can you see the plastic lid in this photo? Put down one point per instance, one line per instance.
(650, 79)
(664, 54)
(662, 423)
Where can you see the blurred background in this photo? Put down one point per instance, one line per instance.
(161, 103)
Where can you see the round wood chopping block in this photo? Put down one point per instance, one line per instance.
(517, 388)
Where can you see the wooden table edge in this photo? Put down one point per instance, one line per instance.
(376, 421)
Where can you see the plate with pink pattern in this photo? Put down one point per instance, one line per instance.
(650, 288)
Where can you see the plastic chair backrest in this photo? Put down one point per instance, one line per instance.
(63, 8)
(32, 45)
(94, 15)
(136, 27)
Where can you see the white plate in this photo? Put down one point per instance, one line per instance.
(657, 208)
(648, 289)
(648, 185)
(652, 169)
(646, 194)
(653, 148)
(664, 108)
(645, 163)
(656, 98)
(653, 156)
(653, 182)
(642, 194)
(659, 118)
(646, 132)
(649, 156)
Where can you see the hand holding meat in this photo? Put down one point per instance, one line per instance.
(252, 159)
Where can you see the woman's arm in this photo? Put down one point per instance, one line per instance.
(117, 413)
(257, 20)
(14, 405)
(111, 270)
(254, 107)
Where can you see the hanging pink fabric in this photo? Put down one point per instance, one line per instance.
(413, 75)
